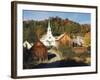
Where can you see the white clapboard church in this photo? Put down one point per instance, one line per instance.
(48, 39)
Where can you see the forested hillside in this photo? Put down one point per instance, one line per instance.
(58, 26)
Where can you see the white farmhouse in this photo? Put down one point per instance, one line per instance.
(78, 40)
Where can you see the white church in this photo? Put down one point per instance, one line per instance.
(48, 39)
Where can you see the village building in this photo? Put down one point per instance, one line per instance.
(48, 39)
(27, 45)
(78, 41)
(39, 51)
(63, 39)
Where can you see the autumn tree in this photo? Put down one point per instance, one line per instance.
(87, 40)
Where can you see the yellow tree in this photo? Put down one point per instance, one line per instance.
(87, 40)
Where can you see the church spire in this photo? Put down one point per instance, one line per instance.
(48, 39)
(49, 29)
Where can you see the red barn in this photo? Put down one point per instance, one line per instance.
(39, 51)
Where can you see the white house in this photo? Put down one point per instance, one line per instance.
(27, 45)
(78, 40)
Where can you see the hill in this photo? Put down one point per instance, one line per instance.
(58, 27)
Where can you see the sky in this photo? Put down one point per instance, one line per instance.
(82, 18)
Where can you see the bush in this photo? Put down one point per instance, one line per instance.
(66, 51)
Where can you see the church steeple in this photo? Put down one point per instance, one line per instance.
(48, 39)
(49, 29)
